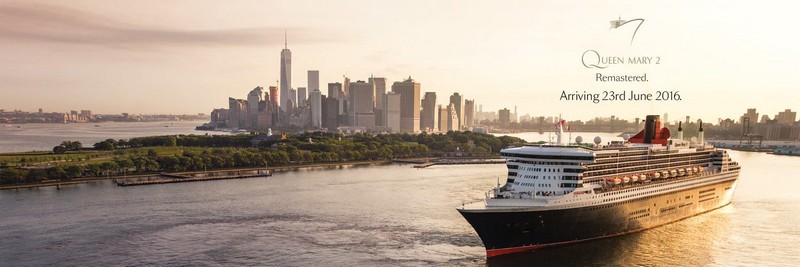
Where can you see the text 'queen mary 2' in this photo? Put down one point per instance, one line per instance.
(560, 194)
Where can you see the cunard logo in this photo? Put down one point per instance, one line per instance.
(593, 59)
(615, 24)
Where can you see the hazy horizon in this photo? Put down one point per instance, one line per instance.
(187, 57)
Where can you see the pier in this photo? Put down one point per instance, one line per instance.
(168, 178)
(428, 162)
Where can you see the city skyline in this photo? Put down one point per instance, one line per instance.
(113, 60)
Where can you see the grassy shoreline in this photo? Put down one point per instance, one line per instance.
(112, 177)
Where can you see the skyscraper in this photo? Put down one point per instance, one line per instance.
(330, 113)
(362, 104)
(252, 111)
(301, 96)
(286, 74)
(458, 103)
(427, 119)
(409, 104)
(316, 109)
(273, 94)
(444, 118)
(504, 116)
(237, 113)
(346, 87)
(313, 80)
(334, 90)
(293, 97)
(391, 113)
(469, 113)
(380, 90)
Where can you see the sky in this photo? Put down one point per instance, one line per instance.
(186, 57)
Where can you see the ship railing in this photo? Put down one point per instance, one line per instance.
(492, 194)
(604, 187)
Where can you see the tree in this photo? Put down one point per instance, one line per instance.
(74, 170)
(108, 144)
(57, 172)
(151, 153)
(12, 176)
(108, 166)
(35, 175)
(72, 145)
(60, 149)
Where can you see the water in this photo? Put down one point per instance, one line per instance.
(44, 136)
(380, 215)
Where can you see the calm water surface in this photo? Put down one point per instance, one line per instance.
(380, 215)
(44, 136)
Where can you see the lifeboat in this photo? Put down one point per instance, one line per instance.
(681, 172)
(610, 181)
(642, 177)
(617, 181)
(626, 179)
(673, 173)
(656, 175)
(635, 178)
(695, 169)
(665, 174)
(689, 171)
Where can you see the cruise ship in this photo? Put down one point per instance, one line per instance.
(558, 194)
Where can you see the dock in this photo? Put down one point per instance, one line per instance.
(168, 178)
(424, 163)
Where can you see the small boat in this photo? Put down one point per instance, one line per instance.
(635, 178)
(626, 179)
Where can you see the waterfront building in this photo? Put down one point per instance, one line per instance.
(458, 104)
(409, 91)
(469, 114)
(751, 114)
(286, 75)
(219, 116)
(787, 117)
(428, 114)
(391, 114)
(316, 108)
(237, 113)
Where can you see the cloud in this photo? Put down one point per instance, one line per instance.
(58, 24)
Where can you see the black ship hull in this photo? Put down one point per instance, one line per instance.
(505, 231)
